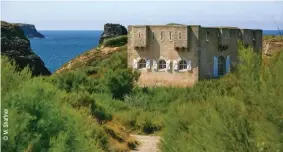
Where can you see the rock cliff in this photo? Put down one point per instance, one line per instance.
(16, 46)
(112, 30)
(30, 30)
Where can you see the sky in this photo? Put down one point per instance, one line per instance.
(92, 15)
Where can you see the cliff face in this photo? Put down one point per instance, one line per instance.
(16, 46)
(29, 30)
(112, 30)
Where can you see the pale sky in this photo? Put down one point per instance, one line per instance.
(92, 15)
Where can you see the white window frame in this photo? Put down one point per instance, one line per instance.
(158, 65)
(184, 69)
(139, 64)
(154, 65)
(147, 64)
(168, 65)
(135, 64)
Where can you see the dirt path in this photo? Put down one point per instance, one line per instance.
(147, 143)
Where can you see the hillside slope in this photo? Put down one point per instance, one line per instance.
(90, 58)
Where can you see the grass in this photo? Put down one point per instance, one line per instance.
(116, 41)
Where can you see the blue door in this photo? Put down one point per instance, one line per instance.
(228, 64)
(215, 66)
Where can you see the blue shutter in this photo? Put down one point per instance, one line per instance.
(228, 64)
(215, 66)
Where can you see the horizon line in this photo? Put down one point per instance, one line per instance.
(103, 29)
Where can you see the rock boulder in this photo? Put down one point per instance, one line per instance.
(112, 30)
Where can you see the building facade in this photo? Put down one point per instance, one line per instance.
(180, 55)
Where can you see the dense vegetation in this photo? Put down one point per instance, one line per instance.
(94, 107)
(240, 112)
(59, 113)
(116, 41)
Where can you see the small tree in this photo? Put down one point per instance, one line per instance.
(120, 82)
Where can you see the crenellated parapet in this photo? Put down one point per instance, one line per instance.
(180, 39)
(140, 35)
(224, 36)
(247, 36)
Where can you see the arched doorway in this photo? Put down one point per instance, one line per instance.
(221, 66)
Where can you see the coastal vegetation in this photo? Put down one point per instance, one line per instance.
(95, 105)
(116, 41)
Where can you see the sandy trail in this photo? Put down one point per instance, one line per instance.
(147, 143)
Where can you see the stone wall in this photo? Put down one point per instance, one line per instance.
(140, 36)
(197, 45)
(161, 46)
(212, 46)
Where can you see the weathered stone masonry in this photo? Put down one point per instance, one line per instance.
(180, 55)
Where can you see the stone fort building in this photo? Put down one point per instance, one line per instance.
(180, 55)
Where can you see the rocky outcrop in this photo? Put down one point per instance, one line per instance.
(16, 46)
(30, 30)
(272, 44)
(112, 30)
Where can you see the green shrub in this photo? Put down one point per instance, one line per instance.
(120, 82)
(40, 120)
(100, 113)
(79, 99)
(116, 41)
(75, 81)
(174, 24)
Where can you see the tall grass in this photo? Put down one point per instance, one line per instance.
(240, 112)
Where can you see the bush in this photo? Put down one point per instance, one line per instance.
(75, 81)
(116, 41)
(120, 82)
(40, 120)
(100, 113)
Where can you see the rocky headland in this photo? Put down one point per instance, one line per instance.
(112, 30)
(16, 46)
(30, 30)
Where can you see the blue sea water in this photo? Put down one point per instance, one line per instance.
(272, 32)
(60, 47)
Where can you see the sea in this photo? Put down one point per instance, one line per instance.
(60, 47)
